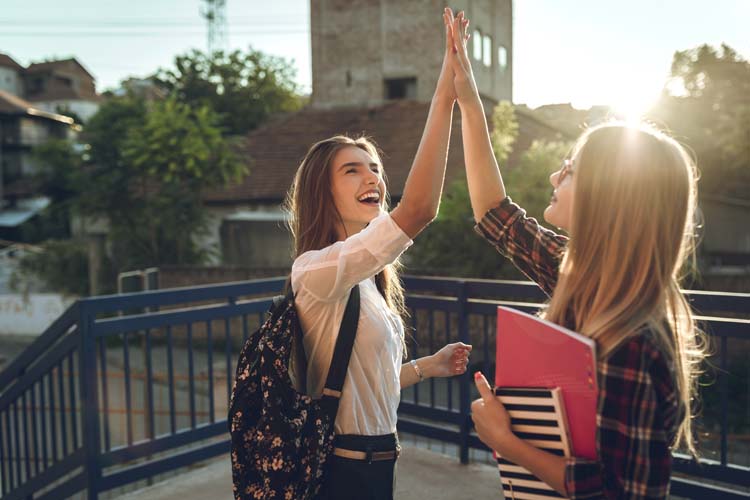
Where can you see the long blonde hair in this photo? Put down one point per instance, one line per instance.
(313, 216)
(632, 231)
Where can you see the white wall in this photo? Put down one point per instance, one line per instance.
(30, 315)
(10, 81)
(84, 109)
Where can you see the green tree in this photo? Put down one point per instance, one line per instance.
(62, 265)
(244, 88)
(706, 104)
(449, 245)
(144, 171)
(504, 130)
(177, 154)
(528, 182)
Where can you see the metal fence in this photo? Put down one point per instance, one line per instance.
(124, 388)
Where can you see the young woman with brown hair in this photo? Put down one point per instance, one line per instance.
(344, 236)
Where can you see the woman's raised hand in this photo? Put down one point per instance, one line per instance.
(463, 78)
(445, 89)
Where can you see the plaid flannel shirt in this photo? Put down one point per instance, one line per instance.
(638, 409)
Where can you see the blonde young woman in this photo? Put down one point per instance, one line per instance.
(626, 198)
(344, 236)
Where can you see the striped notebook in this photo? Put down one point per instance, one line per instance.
(537, 416)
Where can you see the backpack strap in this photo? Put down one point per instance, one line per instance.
(342, 352)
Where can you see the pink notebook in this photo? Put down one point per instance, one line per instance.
(532, 352)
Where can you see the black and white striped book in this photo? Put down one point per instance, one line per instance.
(538, 417)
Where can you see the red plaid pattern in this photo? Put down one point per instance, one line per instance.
(638, 410)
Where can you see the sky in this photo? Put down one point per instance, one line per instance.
(586, 52)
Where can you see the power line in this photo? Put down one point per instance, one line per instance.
(147, 33)
(55, 20)
(96, 24)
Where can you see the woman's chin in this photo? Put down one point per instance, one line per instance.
(549, 215)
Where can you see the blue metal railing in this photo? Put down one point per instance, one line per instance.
(123, 388)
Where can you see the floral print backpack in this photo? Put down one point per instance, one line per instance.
(282, 438)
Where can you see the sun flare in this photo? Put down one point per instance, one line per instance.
(632, 104)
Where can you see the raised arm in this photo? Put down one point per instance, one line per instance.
(486, 187)
(421, 197)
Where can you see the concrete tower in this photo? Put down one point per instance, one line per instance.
(366, 52)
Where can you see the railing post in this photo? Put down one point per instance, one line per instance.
(89, 400)
(724, 391)
(464, 391)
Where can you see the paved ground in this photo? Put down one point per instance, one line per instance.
(421, 474)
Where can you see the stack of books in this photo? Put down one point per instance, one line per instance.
(546, 378)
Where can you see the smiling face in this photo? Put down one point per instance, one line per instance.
(358, 189)
(560, 209)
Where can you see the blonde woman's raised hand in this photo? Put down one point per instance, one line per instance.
(463, 77)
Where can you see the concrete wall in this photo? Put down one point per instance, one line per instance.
(726, 226)
(30, 315)
(256, 244)
(357, 45)
(233, 239)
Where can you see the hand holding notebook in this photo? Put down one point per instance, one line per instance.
(534, 353)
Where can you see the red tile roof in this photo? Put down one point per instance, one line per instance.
(275, 150)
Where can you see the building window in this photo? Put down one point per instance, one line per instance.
(477, 44)
(487, 50)
(401, 88)
(502, 57)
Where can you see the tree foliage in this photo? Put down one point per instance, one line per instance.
(504, 130)
(243, 88)
(449, 246)
(143, 169)
(528, 182)
(62, 264)
(706, 105)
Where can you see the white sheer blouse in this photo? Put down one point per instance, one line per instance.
(322, 280)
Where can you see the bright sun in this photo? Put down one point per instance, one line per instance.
(632, 103)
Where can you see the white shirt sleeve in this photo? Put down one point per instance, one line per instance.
(328, 274)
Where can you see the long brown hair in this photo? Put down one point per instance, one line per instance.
(632, 230)
(313, 216)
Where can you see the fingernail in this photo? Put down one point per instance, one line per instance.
(477, 375)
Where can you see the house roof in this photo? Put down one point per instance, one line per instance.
(13, 105)
(64, 94)
(8, 62)
(52, 65)
(25, 210)
(275, 150)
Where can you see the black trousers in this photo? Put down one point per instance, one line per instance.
(348, 479)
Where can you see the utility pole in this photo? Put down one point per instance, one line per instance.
(214, 12)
